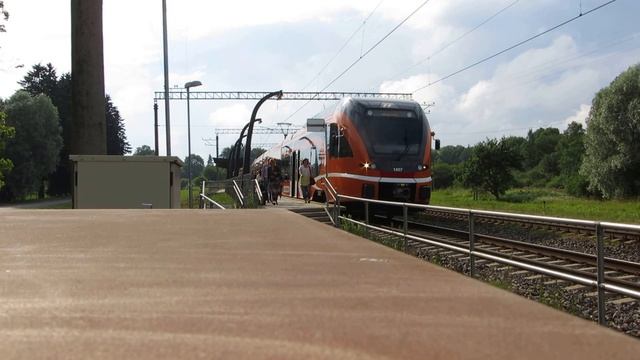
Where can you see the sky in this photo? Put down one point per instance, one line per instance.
(284, 44)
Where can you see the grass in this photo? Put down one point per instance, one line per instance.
(545, 202)
(223, 199)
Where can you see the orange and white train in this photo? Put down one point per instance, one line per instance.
(370, 148)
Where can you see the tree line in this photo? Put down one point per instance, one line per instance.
(201, 171)
(35, 127)
(601, 161)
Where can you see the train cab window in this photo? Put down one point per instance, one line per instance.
(338, 143)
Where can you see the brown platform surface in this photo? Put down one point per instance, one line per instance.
(181, 284)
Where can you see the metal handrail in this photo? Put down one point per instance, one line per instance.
(600, 283)
(205, 197)
(332, 191)
(257, 190)
(236, 188)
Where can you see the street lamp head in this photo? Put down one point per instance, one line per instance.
(191, 84)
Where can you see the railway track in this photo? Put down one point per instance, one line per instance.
(590, 269)
(625, 236)
(618, 272)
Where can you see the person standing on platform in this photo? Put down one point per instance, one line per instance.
(265, 172)
(305, 180)
(275, 181)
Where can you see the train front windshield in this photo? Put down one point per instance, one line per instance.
(394, 131)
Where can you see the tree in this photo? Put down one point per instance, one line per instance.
(211, 172)
(117, 143)
(144, 150)
(5, 15)
(6, 133)
(43, 80)
(255, 153)
(452, 154)
(542, 144)
(444, 175)
(570, 153)
(34, 148)
(197, 166)
(225, 152)
(612, 142)
(210, 160)
(490, 167)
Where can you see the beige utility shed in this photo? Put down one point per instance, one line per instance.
(126, 182)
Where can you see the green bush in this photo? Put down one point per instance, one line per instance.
(577, 185)
(444, 175)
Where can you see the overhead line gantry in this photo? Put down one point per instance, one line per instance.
(286, 95)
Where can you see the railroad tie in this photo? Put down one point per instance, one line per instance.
(590, 268)
(574, 287)
(519, 272)
(554, 282)
(534, 277)
(621, 301)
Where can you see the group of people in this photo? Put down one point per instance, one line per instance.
(270, 179)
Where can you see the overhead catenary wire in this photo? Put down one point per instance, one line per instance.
(344, 45)
(513, 46)
(453, 42)
(363, 55)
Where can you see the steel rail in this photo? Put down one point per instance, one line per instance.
(550, 252)
(589, 259)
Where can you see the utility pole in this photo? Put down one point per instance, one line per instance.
(166, 75)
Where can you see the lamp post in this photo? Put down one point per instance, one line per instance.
(247, 147)
(188, 86)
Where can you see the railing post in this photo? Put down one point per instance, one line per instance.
(337, 210)
(366, 218)
(600, 254)
(405, 212)
(203, 204)
(472, 245)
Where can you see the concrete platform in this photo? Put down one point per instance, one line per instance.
(185, 284)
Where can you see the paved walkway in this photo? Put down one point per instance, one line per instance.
(247, 284)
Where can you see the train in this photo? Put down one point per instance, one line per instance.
(369, 148)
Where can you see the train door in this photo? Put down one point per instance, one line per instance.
(294, 173)
(313, 160)
(286, 171)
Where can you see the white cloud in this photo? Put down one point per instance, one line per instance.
(439, 93)
(231, 116)
(580, 116)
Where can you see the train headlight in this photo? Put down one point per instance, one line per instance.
(422, 167)
(368, 165)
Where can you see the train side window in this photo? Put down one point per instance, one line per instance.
(286, 163)
(338, 144)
